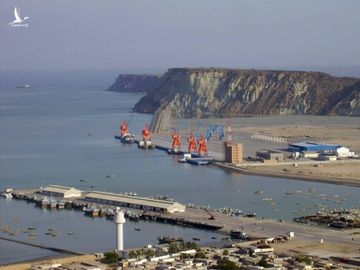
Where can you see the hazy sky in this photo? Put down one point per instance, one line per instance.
(121, 34)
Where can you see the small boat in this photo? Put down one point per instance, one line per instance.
(235, 234)
(168, 239)
(137, 229)
(52, 204)
(44, 202)
(338, 224)
(61, 205)
(196, 238)
(259, 192)
(70, 233)
(91, 211)
(267, 199)
(213, 237)
(6, 195)
(23, 86)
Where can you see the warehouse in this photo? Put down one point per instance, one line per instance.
(271, 155)
(60, 191)
(313, 147)
(143, 203)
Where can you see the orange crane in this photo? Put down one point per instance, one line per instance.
(192, 143)
(202, 145)
(124, 128)
(176, 144)
(146, 133)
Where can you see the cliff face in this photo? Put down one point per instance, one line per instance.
(134, 83)
(195, 92)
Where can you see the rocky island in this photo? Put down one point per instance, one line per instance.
(196, 92)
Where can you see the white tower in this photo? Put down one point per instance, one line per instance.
(119, 220)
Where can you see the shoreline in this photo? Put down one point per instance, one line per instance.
(287, 175)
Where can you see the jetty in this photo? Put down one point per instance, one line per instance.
(54, 249)
(193, 216)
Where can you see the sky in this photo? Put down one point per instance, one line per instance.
(135, 34)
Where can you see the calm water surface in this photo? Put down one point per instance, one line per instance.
(61, 130)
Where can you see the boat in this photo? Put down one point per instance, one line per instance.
(91, 211)
(259, 192)
(61, 205)
(6, 195)
(23, 86)
(127, 138)
(137, 229)
(52, 204)
(102, 212)
(267, 199)
(45, 202)
(236, 234)
(196, 238)
(168, 239)
(338, 224)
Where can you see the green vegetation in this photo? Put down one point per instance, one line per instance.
(110, 257)
(263, 263)
(225, 264)
(304, 258)
(177, 247)
(200, 255)
(226, 252)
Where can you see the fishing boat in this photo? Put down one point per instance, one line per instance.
(168, 239)
(236, 234)
(61, 205)
(45, 202)
(24, 86)
(52, 204)
(92, 211)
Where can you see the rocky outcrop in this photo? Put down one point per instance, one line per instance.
(188, 92)
(135, 83)
(349, 101)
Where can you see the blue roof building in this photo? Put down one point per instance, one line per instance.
(313, 147)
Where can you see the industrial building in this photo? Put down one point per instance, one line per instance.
(309, 154)
(142, 203)
(271, 155)
(233, 152)
(61, 191)
(313, 147)
(344, 152)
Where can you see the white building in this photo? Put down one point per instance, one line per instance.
(147, 204)
(60, 191)
(344, 152)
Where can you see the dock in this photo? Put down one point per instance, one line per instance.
(195, 159)
(209, 219)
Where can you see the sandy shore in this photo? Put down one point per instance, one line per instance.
(344, 173)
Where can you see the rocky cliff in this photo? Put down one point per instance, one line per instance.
(135, 83)
(190, 92)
